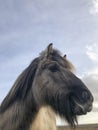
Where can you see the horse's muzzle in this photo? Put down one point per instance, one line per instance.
(83, 104)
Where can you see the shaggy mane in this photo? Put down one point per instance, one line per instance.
(21, 87)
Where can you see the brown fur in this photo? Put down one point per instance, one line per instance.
(45, 119)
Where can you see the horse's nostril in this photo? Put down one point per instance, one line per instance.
(85, 95)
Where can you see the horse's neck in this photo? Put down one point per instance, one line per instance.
(44, 120)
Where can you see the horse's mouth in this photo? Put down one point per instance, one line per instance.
(81, 108)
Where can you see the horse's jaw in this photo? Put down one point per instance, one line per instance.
(44, 120)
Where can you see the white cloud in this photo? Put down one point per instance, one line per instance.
(94, 73)
(94, 8)
(91, 78)
(92, 52)
(95, 105)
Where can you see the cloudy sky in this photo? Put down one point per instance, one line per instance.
(28, 26)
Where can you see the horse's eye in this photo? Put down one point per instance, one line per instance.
(53, 68)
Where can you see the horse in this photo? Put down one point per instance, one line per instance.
(46, 88)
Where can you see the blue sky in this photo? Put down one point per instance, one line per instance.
(28, 26)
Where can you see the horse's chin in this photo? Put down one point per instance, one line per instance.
(80, 108)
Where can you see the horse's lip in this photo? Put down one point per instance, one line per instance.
(82, 108)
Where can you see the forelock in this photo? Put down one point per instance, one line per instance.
(57, 56)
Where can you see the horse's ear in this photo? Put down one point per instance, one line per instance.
(49, 49)
(65, 56)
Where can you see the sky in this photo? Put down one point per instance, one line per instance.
(28, 26)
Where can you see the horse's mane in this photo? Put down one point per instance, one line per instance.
(21, 86)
